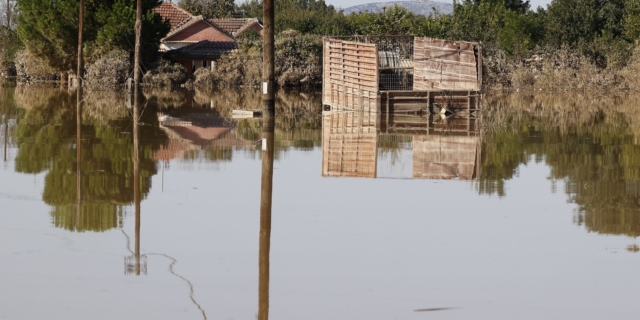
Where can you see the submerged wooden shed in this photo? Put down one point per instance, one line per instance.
(401, 74)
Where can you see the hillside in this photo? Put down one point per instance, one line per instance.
(423, 7)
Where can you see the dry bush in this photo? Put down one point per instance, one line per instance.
(105, 105)
(298, 59)
(165, 74)
(166, 99)
(496, 68)
(562, 69)
(30, 69)
(298, 63)
(631, 72)
(7, 69)
(109, 71)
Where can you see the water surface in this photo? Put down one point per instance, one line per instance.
(526, 214)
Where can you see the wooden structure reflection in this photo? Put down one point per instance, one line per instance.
(441, 147)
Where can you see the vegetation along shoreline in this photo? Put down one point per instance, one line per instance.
(570, 45)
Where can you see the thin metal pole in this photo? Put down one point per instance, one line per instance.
(138, 31)
(268, 64)
(266, 195)
(80, 31)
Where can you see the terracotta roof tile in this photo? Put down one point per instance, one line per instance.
(234, 26)
(190, 22)
(173, 13)
(203, 50)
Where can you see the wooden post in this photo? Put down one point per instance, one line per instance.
(138, 30)
(80, 30)
(268, 64)
(266, 194)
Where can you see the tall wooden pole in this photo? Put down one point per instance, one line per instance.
(266, 195)
(80, 59)
(138, 31)
(268, 63)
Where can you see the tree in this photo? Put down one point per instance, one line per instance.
(580, 22)
(632, 19)
(477, 21)
(521, 32)
(210, 8)
(117, 27)
(49, 28)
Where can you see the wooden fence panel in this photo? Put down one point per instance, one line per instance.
(445, 65)
(350, 79)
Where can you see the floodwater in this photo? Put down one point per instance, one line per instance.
(189, 213)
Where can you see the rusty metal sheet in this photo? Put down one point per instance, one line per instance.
(445, 65)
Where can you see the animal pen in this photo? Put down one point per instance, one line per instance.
(401, 74)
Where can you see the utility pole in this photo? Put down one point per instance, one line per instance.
(8, 14)
(268, 64)
(138, 30)
(266, 196)
(80, 59)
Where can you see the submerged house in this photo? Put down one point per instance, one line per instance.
(197, 42)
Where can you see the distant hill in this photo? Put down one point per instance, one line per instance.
(423, 7)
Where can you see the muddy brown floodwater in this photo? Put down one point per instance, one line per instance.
(528, 211)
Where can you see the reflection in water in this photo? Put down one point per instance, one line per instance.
(589, 143)
(87, 157)
(133, 264)
(372, 145)
(266, 195)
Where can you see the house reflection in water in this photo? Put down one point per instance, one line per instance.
(195, 133)
(373, 145)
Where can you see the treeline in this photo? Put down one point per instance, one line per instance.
(573, 36)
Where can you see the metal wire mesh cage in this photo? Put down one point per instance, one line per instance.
(395, 60)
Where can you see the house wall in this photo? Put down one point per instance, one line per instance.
(198, 32)
(193, 65)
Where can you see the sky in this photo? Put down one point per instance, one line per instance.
(349, 3)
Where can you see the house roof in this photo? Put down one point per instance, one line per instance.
(190, 22)
(203, 50)
(173, 13)
(235, 26)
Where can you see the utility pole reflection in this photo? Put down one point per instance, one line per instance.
(79, 94)
(133, 264)
(6, 135)
(268, 125)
